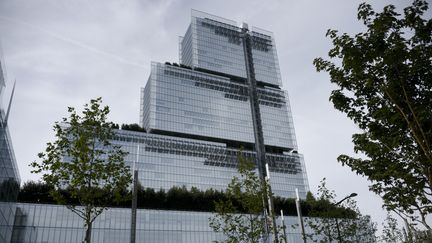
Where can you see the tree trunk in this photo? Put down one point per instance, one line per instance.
(88, 232)
(329, 234)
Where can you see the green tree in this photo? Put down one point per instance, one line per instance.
(9, 189)
(32, 191)
(326, 217)
(83, 161)
(384, 84)
(240, 217)
(391, 233)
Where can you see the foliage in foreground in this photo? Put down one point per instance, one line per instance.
(391, 232)
(384, 82)
(240, 216)
(9, 189)
(344, 223)
(83, 160)
(176, 198)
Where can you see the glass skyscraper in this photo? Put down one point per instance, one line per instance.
(223, 98)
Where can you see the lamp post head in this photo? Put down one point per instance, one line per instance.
(350, 196)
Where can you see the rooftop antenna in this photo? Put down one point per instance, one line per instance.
(10, 104)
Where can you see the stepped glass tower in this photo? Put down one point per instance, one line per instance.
(223, 97)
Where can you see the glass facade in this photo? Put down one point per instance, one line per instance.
(9, 177)
(166, 161)
(9, 185)
(181, 100)
(265, 61)
(215, 44)
(202, 112)
(186, 101)
(277, 122)
(43, 223)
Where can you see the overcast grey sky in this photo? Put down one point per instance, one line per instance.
(64, 53)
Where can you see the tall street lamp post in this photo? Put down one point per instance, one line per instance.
(337, 223)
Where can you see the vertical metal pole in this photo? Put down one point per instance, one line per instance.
(134, 200)
(269, 198)
(284, 227)
(256, 117)
(337, 222)
(300, 218)
(270, 203)
(134, 207)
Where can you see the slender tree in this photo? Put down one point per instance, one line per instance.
(83, 161)
(391, 233)
(384, 84)
(240, 217)
(329, 222)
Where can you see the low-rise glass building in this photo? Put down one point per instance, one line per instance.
(45, 223)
